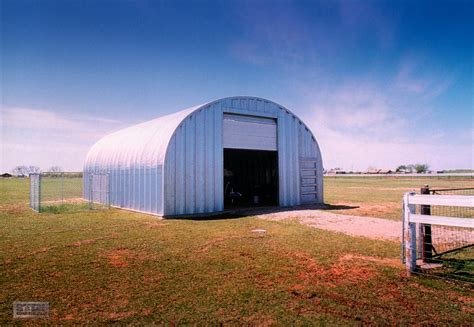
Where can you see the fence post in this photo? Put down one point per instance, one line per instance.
(62, 187)
(91, 176)
(39, 192)
(108, 190)
(427, 242)
(31, 191)
(410, 235)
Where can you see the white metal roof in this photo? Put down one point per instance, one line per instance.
(143, 144)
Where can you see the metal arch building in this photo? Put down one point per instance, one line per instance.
(185, 163)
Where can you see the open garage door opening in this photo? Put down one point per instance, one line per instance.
(250, 178)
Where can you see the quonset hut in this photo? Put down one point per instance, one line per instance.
(231, 152)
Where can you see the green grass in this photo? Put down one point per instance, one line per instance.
(381, 196)
(117, 266)
(65, 207)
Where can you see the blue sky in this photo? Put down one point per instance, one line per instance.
(380, 83)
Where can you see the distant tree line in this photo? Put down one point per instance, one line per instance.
(413, 168)
(23, 171)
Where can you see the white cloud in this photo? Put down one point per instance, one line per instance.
(415, 75)
(349, 151)
(45, 138)
(360, 125)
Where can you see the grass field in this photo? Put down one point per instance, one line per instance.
(381, 196)
(118, 266)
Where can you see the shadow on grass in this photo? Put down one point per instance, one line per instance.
(244, 212)
(456, 265)
(337, 207)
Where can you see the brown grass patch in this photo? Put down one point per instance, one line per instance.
(382, 188)
(259, 320)
(40, 250)
(220, 240)
(114, 316)
(13, 209)
(395, 263)
(92, 240)
(467, 304)
(341, 272)
(70, 200)
(120, 257)
(369, 209)
(155, 224)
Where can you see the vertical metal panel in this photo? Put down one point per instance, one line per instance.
(180, 182)
(210, 161)
(190, 173)
(136, 187)
(153, 198)
(128, 187)
(291, 161)
(295, 161)
(200, 188)
(160, 197)
(147, 179)
(219, 159)
(282, 163)
(169, 187)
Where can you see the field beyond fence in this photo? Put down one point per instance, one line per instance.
(105, 266)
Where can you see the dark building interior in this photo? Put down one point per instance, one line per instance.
(250, 178)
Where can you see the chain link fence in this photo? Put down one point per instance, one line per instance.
(65, 192)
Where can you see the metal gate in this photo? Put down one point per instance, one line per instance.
(97, 190)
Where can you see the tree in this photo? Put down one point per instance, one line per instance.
(20, 171)
(23, 171)
(34, 170)
(421, 168)
(55, 169)
(411, 168)
(401, 168)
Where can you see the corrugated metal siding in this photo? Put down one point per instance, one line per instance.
(193, 180)
(136, 188)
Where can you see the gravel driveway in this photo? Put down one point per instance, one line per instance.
(374, 228)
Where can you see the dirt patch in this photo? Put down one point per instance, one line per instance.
(91, 241)
(154, 224)
(373, 228)
(407, 189)
(70, 200)
(220, 240)
(341, 272)
(120, 257)
(467, 304)
(32, 253)
(387, 209)
(114, 316)
(75, 244)
(13, 209)
(395, 263)
(259, 320)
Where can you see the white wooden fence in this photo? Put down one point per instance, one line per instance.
(411, 219)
